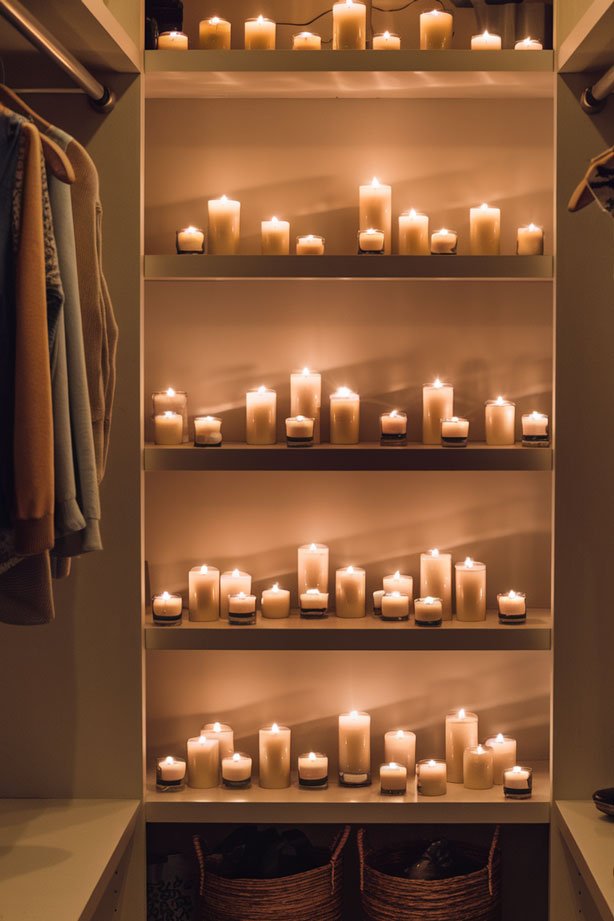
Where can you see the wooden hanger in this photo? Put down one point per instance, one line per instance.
(55, 158)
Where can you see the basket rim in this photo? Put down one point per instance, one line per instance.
(429, 883)
(280, 880)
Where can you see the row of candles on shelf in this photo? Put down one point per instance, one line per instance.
(374, 235)
(228, 595)
(478, 767)
(302, 428)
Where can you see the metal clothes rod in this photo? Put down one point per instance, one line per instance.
(595, 97)
(101, 97)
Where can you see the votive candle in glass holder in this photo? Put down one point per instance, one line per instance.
(260, 34)
(170, 774)
(166, 609)
(461, 733)
(500, 422)
(349, 25)
(371, 242)
(431, 776)
(344, 417)
(224, 226)
(350, 592)
(275, 604)
(237, 771)
(310, 244)
(203, 762)
(190, 240)
(504, 754)
(204, 593)
(398, 582)
(275, 236)
(231, 583)
(393, 428)
(478, 766)
(454, 432)
(535, 430)
(274, 746)
(437, 404)
(435, 30)
(306, 41)
(241, 610)
(530, 241)
(512, 607)
(354, 749)
(485, 230)
(313, 770)
(214, 34)
(486, 41)
(393, 779)
(313, 604)
(174, 401)
(444, 242)
(375, 210)
(386, 41)
(173, 41)
(377, 602)
(395, 606)
(299, 432)
(528, 44)
(207, 432)
(428, 611)
(470, 590)
(224, 734)
(313, 567)
(261, 416)
(436, 578)
(400, 747)
(413, 234)
(518, 782)
(168, 429)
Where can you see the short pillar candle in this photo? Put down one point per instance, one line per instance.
(535, 430)
(478, 768)
(299, 431)
(500, 422)
(350, 590)
(512, 607)
(413, 234)
(376, 210)
(485, 230)
(470, 590)
(224, 734)
(275, 237)
(204, 593)
(431, 776)
(173, 41)
(261, 416)
(400, 747)
(436, 578)
(437, 404)
(242, 609)
(310, 245)
(435, 30)
(428, 612)
(313, 560)
(461, 733)
(393, 779)
(313, 770)
(393, 428)
(486, 41)
(237, 771)
(444, 242)
(203, 762)
(276, 603)
(349, 25)
(386, 41)
(314, 604)
(166, 609)
(354, 749)
(214, 34)
(395, 606)
(504, 754)
(530, 241)
(224, 226)
(518, 783)
(231, 583)
(168, 428)
(170, 774)
(344, 417)
(306, 397)
(260, 34)
(306, 41)
(190, 241)
(274, 748)
(454, 432)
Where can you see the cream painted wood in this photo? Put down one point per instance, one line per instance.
(589, 44)
(589, 835)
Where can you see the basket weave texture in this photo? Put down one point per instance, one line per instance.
(312, 896)
(473, 897)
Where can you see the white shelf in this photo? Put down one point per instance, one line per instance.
(589, 836)
(590, 44)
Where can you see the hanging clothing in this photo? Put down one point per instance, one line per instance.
(597, 184)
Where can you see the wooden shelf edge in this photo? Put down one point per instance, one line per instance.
(589, 835)
(590, 44)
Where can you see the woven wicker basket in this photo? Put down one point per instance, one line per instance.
(312, 896)
(473, 897)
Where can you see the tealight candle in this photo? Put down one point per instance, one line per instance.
(435, 30)
(190, 240)
(393, 779)
(485, 230)
(528, 44)
(375, 202)
(444, 242)
(487, 41)
(512, 607)
(395, 606)
(518, 783)
(313, 567)
(310, 245)
(224, 226)
(431, 777)
(393, 428)
(203, 762)
(377, 601)
(306, 41)
(454, 432)
(354, 749)
(504, 755)
(313, 770)
(349, 26)
(461, 733)
(224, 734)
(274, 745)
(535, 431)
(173, 41)
(386, 41)
(276, 603)
(237, 771)
(413, 234)
(500, 422)
(275, 237)
(166, 609)
(436, 578)
(437, 404)
(478, 768)
(168, 429)
(170, 774)
(299, 432)
(371, 242)
(214, 34)
(400, 747)
(344, 417)
(314, 603)
(260, 416)
(399, 583)
(241, 609)
(204, 593)
(207, 432)
(530, 241)
(350, 589)
(306, 397)
(231, 583)
(470, 590)
(428, 611)
(260, 34)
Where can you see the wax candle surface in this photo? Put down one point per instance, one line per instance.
(241, 603)
(376, 210)
(395, 606)
(535, 425)
(207, 430)
(485, 230)
(436, 578)
(444, 242)
(435, 30)
(167, 605)
(486, 42)
(274, 746)
(214, 34)
(173, 41)
(313, 600)
(310, 245)
(224, 226)
(393, 423)
(231, 583)
(275, 237)
(224, 735)
(312, 766)
(350, 592)
(431, 778)
(500, 422)
(437, 404)
(344, 417)
(355, 746)
(478, 768)
(428, 610)
(386, 41)
(512, 604)
(261, 416)
(413, 234)
(461, 733)
(530, 241)
(518, 779)
(504, 755)
(190, 240)
(313, 567)
(276, 603)
(170, 769)
(371, 241)
(204, 593)
(260, 34)
(168, 429)
(470, 590)
(306, 41)
(393, 778)
(349, 26)
(237, 768)
(203, 762)
(400, 747)
(528, 44)
(454, 427)
(300, 427)
(306, 396)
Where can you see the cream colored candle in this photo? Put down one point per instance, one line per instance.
(376, 210)
(349, 26)
(274, 746)
(512, 604)
(173, 41)
(428, 611)
(299, 431)
(535, 426)
(310, 245)
(436, 578)
(306, 41)
(354, 748)
(350, 592)
(168, 429)
(260, 34)
(276, 603)
(386, 41)
(207, 431)
(395, 606)
(174, 401)
(224, 735)
(461, 733)
(528, 44)
(397, 582)
(504, 755)
(306, 397)
(203, 762)
(431, 777)
(400, 747)
(275, 237)
(237, 770)
(444, 242)
(190, 240)
(371, 241)
(224, 226)
(313, 769)
(500, 422)
(261, 416)
(437, 404)
(487, 41)
(344, 417)
(413, 234)
(393, 423)
(530, 241)
(478, 768)
(231, 583)
(242, 609)
(377, 600)
(214, 34)
(393, 779)
(485, 230)
(470, 590)
(435, 30)
(204, 593)
(170, 770)
(454, 431)
(518, 782)
(313, 567)
(167, 607)
(314, 603)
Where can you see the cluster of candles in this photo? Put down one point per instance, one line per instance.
(478, 767)
(374, 235)
(349, 34)
(228, 595)
(302, 428)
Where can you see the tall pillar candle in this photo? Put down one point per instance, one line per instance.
(504, 755)
(224, 735)
(306, 397)
(204, 593)
(376, 210)
(214, 34)
(344, 417)
(414, 234)
(436, 579)
(400, 746)
(478, 768)
(260, 34)
(224, 226)
(231, 583)
(461, 733)
(274, 750)
(349, 25)
(203, 762)
(261, 416)
(470, 590)
(500, 422)
(354, 748)
(435, 30)
(313, 567)
(275, 237)
(485, 231)
(437, 404)
(350, 592)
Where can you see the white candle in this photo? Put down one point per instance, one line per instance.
(170, 770)
(299, 431)
(306, 396)
(313, 567)
(224, 226)
(310, 245)
(395, 606)
(504, 755)
(518, 782)
(260, 34)
(444, 242)
(432, 777)
(535, 427)
(207, 431)
(377, 600)
(386, 41)
(314, 603)
(371, 241)
(413, 234)
(173, 41)
(344, 417)
(400, 747)
(313, 769)
(167, 607)
(275, 237)
(435, 30)
(274, 744)
(168, 429)
(170, 400)
(242, 608)
(260, 416)
(470, 590)
(350, 592)
(214, 34)
(478, 768)
(190, 240)
(393, 423)
(461, 733)
(530, 241)
(306, 41)
(437, 404)
(236, 769)
(485, 230)
(231, 583)
(500, 422)
(376, 210)
(528, 44)
(512, 605)
(204, 593)
(349, 26)
(393, 779)
(454, 431)
(276, 603)
(399, 583)
(436, 578)
(224, 735)
(354, 748)
(486, 42)
(428, 611)
(203, 762)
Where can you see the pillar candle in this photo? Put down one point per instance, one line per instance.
(486, 42)
(224, 226)
(173, 41)
(393, 779)
(214, 34)
(207, 431)
(399, 583)
(168, 429)
(306, 397)
(274, 747)
(530, 241)
(260, 416)
(500, 422)
(431, 777)
(461, 733)
(275, 237)
(306, 41)
(478, 768)
(276, 603)
(413, 234)
(190, 240)
(231, 583)
(224, 735)
(260, 34)
(376, 210)
(504, 755)
(203, 762)
(310, 245)
(313, 769)
(444, 242)
(437, 404)
(485, 230)
(436, 578)
(313, 567)
(528, 44)
(349, 26)
(386, 41)
(204, 593)
(350, 592)
(237, 770)
(344, 417)
(400, 746)
(470, 590)
(435, 30)
(428, 611)
(354, 748)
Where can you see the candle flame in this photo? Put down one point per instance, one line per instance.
(343, 392)
(312, 756)
(468, 562)
(217, 727)
(413, 213)
(372, 230)
(485, 34)
(533, 226)
(516, 769)
(306, 372)
(437, 383)
(499, 401)
(395, 594)
(400, 734)
(432, 763)
(393, 764)
(202, 740)
(397, 575)
(214, 21)
(481, 750)
(393, 414)
(275, 587)
(511, 594)
(499, 738)
(169, 414)
(454, 419)
(224, 198)
(274, 220)
(300, 418)
(536, 415)
(461, 713)
(165, 596)
(260, 19)
(275, 728)
(312, 591)
(483, 207)
(386, 34)
(236, 572)
(434, 13)
(429, 600)
(350, 569)
(354, 714)
(236, 756)
(444, 232)
(434, 552)
(310, 236)
(375, 183)
(262, 389)
(170, 392)
(169, 760)
(204, 570)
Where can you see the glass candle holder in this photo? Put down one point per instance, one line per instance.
(444, 242)
(530, 241)
(377, 601)
(166, 609)
(190, 241)
(306, 41)
(393, 779)
(386, 41)
(310, 245)
(354, 749)
(518, 783)
(313, 604)
(454, 432)
(299, 432)
(237, 771)
(395, 606)
(170, 774)
(313, 770)
(371, 242)
(535, 430)
(241, 609)
(207, 432)
(512, 607)
(431, 776)
(170, 401)
(528, 44)
(173, 41)
(428, 611)
(393, 428)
